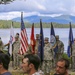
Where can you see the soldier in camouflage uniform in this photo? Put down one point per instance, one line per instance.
(1, 45)
(48, 56)
(37, 43)
(16, 47)
(60, 49)
(73, 56)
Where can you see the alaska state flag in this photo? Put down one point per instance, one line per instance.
(69, 51)
(41, 43)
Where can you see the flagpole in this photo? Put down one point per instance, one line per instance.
(23, 38)
(12, 51)
(41, 44)
(71, 46)
(32, 39)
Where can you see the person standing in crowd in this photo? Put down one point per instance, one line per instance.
(8, 44)
(62, 67)
(1, 44)
(4, 64)
(15, 48)
(73, 55)
(48, 56)
(17, 34)
(30, 64)
(58, 49)
(37, 43)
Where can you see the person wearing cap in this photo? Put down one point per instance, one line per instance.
(15, 48)
(17, 34)
(73, 56)
(37, 43)
(59, 50)
(48, 56)
(1, 45)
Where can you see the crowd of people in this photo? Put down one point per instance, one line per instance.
(31, 62)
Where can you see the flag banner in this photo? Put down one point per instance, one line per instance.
(69, 50)
(53, 40)
(32, 40)
(41, 43)
(12, 39)
(23, 38)
(52, 36)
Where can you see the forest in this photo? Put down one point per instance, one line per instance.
(7, 24)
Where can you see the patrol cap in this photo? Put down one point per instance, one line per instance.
(46, 39)
(16, 36)
(57, 36)
(37, 35)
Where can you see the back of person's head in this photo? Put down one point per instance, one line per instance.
(4, 60)
(34, 59)
(67, 63)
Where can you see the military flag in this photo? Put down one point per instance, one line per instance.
(69, 51)
(53, 40)
(32, 39)
(41, 43)
(24, 38)
(52, 35)
(12, 39)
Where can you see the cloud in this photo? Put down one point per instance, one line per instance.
(37, 7)
(9, 15)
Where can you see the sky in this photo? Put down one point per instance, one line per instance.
(51, 8)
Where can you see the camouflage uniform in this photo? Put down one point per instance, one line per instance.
(60, 49)
(73, 55)
(48, 57)
(29, 51)
(16, 47)
(1, 45)
(37, 43)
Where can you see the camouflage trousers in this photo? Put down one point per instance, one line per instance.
(46, 66)
(56, 58)
(73, 62)
(16, 60)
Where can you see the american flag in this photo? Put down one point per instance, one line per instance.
(24, 38)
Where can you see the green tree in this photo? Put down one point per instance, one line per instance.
(5, 1)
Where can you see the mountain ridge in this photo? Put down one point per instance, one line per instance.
(63, 19)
